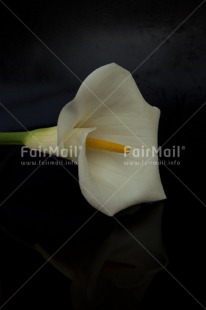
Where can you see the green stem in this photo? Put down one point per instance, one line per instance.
(12, 138)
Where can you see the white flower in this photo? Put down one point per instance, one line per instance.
(109, 107)
(105, 129)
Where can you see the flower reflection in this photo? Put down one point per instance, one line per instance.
(116, 272)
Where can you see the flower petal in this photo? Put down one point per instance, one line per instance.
(95, 95)
(112, 183)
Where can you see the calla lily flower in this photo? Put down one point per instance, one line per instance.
(106, 121)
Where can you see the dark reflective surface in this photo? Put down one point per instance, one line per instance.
(114, 272)
(34, 86)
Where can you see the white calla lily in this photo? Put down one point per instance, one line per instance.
(107, 122)
(110, 107)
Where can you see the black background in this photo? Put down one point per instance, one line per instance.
(35, 85)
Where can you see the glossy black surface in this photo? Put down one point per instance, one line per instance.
(35, 85)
